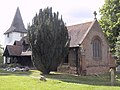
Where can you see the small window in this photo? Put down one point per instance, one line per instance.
(8, 35)
(21, 34)
(8, 60)
(97, 50)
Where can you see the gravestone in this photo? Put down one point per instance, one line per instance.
(112, 76)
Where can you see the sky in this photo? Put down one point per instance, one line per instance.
(72, 11)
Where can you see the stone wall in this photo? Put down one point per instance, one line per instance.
(67, 69)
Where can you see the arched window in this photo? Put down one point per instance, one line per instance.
(97, 50)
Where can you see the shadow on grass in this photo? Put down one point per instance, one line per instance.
(103, 80)
(16, 73)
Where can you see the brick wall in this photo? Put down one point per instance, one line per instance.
(87, 62)
(97, 70)
(101, 65)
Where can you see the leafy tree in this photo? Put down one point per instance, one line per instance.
(49, 40)
(110, 21)
(117, 48)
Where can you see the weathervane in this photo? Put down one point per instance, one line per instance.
(95, 14)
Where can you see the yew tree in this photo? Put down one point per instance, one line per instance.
(49, 40)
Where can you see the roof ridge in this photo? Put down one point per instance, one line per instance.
(80, 23)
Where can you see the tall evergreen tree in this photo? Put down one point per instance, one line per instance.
(49, 40)
(110, 21)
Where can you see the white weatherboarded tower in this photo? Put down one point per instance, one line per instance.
(16, 31)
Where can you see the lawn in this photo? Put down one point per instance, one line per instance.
(55, 81)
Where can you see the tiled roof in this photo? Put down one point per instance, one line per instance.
(13, 50)
(17, 24)
(77, 33)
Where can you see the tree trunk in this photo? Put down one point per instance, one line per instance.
(46, 71)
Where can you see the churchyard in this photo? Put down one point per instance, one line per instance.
(31, 80)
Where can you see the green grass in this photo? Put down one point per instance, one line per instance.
(55, 81)
(103, 80)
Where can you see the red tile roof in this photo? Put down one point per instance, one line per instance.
(13, 50)
(77, 33)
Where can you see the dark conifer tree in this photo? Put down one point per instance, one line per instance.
(49, 40)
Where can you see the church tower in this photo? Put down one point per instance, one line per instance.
(16, 31)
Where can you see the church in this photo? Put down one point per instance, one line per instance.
(88, 50)
(13, 43)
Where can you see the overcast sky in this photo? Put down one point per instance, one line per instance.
(72, 11)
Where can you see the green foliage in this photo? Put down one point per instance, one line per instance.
(117, 48)
(49, 40)
(110, 21)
